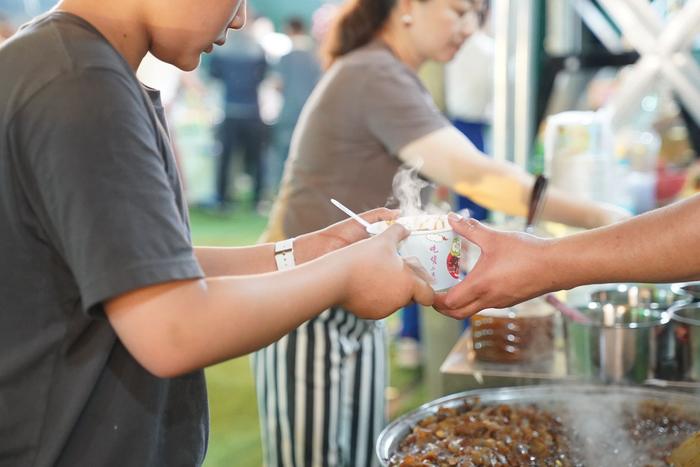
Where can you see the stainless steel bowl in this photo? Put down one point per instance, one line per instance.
(619, 345)
(605, 399)
(659, 360)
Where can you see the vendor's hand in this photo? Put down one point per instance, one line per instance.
(312, 245)
(512, 268)
(379, 281)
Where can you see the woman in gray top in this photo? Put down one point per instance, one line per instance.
(321, 388)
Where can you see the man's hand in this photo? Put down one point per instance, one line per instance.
(379, 281)
(312, 245)
(510, 270)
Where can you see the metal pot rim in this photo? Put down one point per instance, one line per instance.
(678, 287)
(664, 318)
(683, 319)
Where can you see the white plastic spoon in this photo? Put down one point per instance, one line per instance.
(347, 211)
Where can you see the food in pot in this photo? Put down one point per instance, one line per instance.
(475, 434)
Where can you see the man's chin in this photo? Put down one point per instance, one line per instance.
(446, 57)
(189, 64)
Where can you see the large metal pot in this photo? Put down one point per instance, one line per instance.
(605, 402)
(661, 362)
(618, 345)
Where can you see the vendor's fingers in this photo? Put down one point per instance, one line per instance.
(460, 295)
(470, 229)
(423, 293)
(439, 301)
(380, 214)
(417, 267)
(458, 313)
(460, 300)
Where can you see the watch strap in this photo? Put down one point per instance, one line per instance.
(284, 254)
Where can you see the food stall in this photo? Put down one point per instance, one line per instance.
(606, 374)
(636, 150)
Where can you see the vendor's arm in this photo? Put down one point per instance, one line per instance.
(659, 246)
(218, 261)
(449, 158)
(179, 326)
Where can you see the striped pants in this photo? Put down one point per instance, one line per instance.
(321, 393)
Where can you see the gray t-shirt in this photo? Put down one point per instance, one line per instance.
(90, 208)
(365, 109)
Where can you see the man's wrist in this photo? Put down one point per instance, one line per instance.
(559, 268)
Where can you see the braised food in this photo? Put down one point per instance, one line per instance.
(475, 434)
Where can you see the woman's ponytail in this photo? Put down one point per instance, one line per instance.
(356, 25)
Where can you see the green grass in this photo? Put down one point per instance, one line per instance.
(234, 439)
(238, 228)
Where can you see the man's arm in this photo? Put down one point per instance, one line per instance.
(218, 261)
(177, 327)
(659, 246)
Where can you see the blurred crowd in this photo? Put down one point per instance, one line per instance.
(232, 118)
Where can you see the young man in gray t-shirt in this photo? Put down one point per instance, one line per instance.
(108, 312)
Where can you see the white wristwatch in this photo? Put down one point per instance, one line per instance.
(284, 254)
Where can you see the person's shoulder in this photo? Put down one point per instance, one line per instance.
(376, 62)
(49, 48)
(63, 40)
(371, 57)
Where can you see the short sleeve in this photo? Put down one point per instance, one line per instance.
(398, 109)
(90, 163)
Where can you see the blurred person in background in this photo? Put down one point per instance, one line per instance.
(322, 21)
(655, 247)
(321, 388)
(109, 313)
(295, 76)
(241, 66)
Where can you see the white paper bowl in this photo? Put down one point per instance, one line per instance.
(437, 250)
